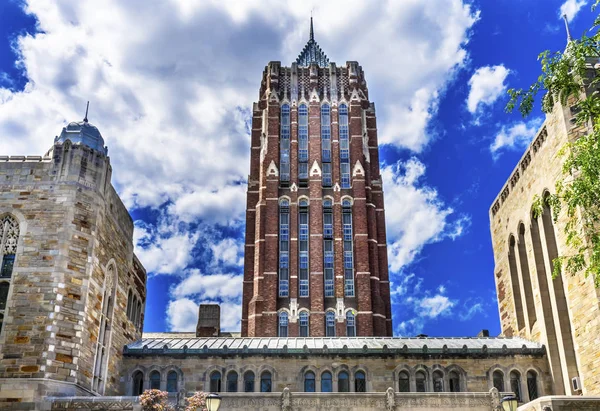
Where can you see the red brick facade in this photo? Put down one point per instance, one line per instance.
(315, 86)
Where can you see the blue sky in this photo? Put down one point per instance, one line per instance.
(171, 85)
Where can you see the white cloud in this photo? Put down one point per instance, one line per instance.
(434, 306)
(516, 137)
(209, 286)
(182, 314)
(415, 215)
(570, 8)
(485, 86)
(228, 252)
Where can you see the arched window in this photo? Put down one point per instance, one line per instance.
(360, 382)
(304, 325)
(138, 383)
(326, 145)
(403, 382)
(344, 146)
(326, 382)
(9, 236)
(303, 236)
(215, 381)
(498, 380)
(303, 143)
(284, 248)
(514, 278)
(309, 382)
(454, 381)
(532, 385)
(265, 382)
(104, 331)
(438, 381)
(330, 324)
(138, 321)
(284, 145)
(515, 384)
(350, 324)
(3, 294)
(421, 381)
(343, 382)
(232, 381)
(172, 381)
(155, 380)
(283, 324)
(249, 381)
(348, 248)
(328, 258)
(526, 276)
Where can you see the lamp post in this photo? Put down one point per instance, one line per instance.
(213, 402)
(509, 403)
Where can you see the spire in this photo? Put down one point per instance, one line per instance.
(85, 119)
(312, 53)
(569, 38)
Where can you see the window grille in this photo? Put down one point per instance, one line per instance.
(532, 385)
(303, 324)
(330, 324)
(284, 156)
(403, 382)
(360, 382)
(350, 324)
(284, 238)
(283, 324)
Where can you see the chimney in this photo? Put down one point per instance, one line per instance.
(209, 320)
(483, 333)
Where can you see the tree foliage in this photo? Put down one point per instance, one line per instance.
(572, 78)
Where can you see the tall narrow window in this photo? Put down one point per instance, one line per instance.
(303, 143)
(303, 236)
(515, 384)
(350, 324)
(155, 380)
(498, 380)
(172, 381)
(215, 381)
(303, 320)
(403, 382)
(9, 235)
(531, 315)
(360, 382)
(514, 278)
(232, 381)
(454, 381)
(129, 301)
(330, 324)
(284, 248)
(344, 146)
(1, 321)
(328, 245)
(249, 381)
(326, 145)
(265, 382)
(532, 385)
(103, 341)
(309, 382)
(348, 248)
(438, 381)
(421, 381)
(3, 294)
(343, 382)
(138, 383)
(283, 324)
(284, 145)
(326, 382)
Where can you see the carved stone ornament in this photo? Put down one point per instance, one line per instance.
(390, 399)
(286, 400)
(272, 170)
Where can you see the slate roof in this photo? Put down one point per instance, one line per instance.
(174, 343)
(312, 53)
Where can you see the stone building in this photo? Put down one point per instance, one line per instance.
(72, 292)
(316, 254)
(563, 313)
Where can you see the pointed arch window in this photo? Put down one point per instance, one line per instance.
(304, 323)
(454, 381)
(438, 381)
(265, 382)
(532, 385)
(172, 381)
(498, 380)
(328, 247)
(348, 248)
(249, 381)
(104, 332)
(283, 324)
(360, 382)
(284, 248)
(284, 145)
(9, 236)
(215, 381)
(330, 324)
(344, 146)
(350, 324)
(343, 382)
(309, 382)
(138, 383)
(303, 143)
(515, 384)
(421, 381)
(403, 382)
(155, 380)
(326, 382)
(303, 255)
(232, 381)
(326, 145)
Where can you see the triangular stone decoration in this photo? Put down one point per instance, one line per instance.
(315, 170)
(314, 96)
(294, 188)
(273, 97)
(272, 170)
(355, 96)
(336, 187)
(358, 170)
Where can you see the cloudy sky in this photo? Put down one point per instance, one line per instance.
(171, 85)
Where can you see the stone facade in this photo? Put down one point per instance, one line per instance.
(314, 139)
(563, 313)
(66, 316)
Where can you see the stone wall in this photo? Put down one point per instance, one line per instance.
(563, 403)
(562, 313)
(74, 230)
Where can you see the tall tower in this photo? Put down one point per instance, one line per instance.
(315, 256)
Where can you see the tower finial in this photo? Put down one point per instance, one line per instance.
(569, 38)
(85, 119)
(312, 32)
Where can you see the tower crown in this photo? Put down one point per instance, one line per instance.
(82, 132)
(312, 53)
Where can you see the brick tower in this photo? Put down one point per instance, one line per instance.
(315, 255)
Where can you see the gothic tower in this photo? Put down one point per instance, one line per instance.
(315, 255)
